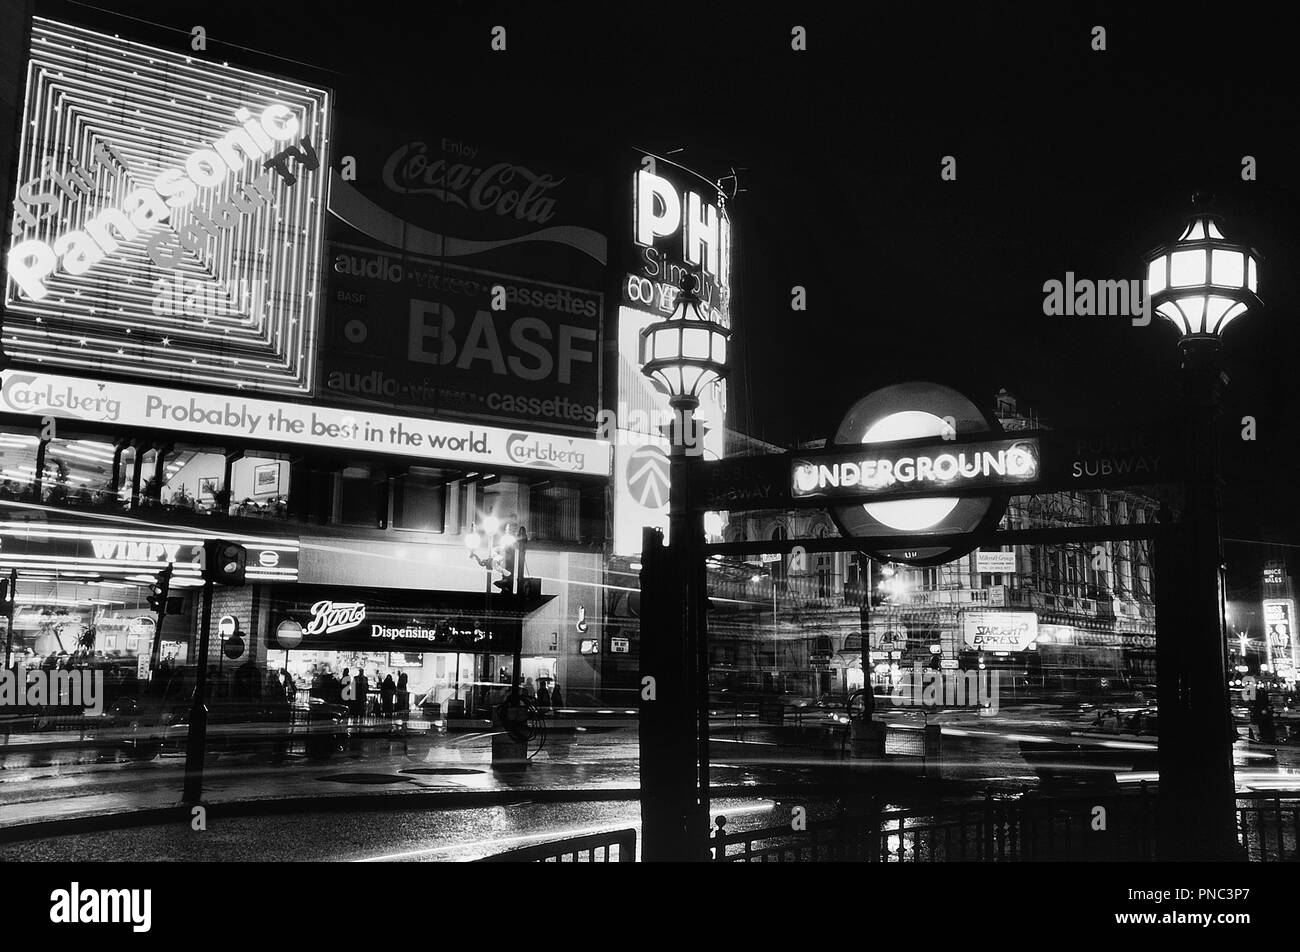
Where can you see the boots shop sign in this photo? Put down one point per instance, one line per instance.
(168, 216)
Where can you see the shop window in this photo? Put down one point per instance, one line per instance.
(18, 452)
(259, 487)
(554, 512)
(420, 500)
(77, 472)
(194, 479)
(361, 497)
(125, 476)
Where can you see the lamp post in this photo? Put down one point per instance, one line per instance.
(473, 541)
(776, 638)
(684, 353)
(1200, 283)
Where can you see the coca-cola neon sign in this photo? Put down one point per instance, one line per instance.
(502, 188)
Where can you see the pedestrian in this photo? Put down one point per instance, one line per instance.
(556, 700)
(543, 697)
(403, 692)
(388, 691)
(361, 688)
(530, 690)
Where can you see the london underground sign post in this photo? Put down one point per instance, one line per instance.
(916, 473)
(901, 442)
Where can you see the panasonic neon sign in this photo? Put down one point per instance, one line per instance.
(144, 209)
(168, 218)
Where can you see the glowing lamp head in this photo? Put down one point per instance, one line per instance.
(491, 524)
(472, 540)
(685, 352)
(1202, 281)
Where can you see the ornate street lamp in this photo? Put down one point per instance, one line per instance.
(1200, 283)
(474, 540)
(685, 353)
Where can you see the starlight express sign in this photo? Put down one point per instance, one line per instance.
(168, 217)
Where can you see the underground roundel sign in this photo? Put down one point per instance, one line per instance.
(898, 449)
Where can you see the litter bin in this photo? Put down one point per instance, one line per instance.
(325, 730)
(867, 739)
(771, 710)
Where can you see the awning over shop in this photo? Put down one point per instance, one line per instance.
(339, 617)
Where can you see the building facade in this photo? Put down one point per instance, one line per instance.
(828, 623)
(216, 327)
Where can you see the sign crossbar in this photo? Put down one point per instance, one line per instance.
(1044, 536)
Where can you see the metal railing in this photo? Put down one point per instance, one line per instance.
(1032, 829)
(618, 846)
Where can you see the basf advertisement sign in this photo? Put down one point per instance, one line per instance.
(679, 226)
(463, 282)
(168, 219)
(443, 340)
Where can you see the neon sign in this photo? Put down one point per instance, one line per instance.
(155, 190)
(662, 212)
(981, 464)
(328, 616)
(53, 547)
(899, 447)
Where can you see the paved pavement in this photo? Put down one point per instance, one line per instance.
(68, 781)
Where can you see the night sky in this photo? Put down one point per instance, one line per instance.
(1067, 160)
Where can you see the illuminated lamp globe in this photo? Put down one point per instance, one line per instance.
(686, 351)
(1202, 282)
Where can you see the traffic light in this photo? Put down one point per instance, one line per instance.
(879, 588)
(514, 581)
(7, 586)
(224, 562)
(884, 583)
(158, 590)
